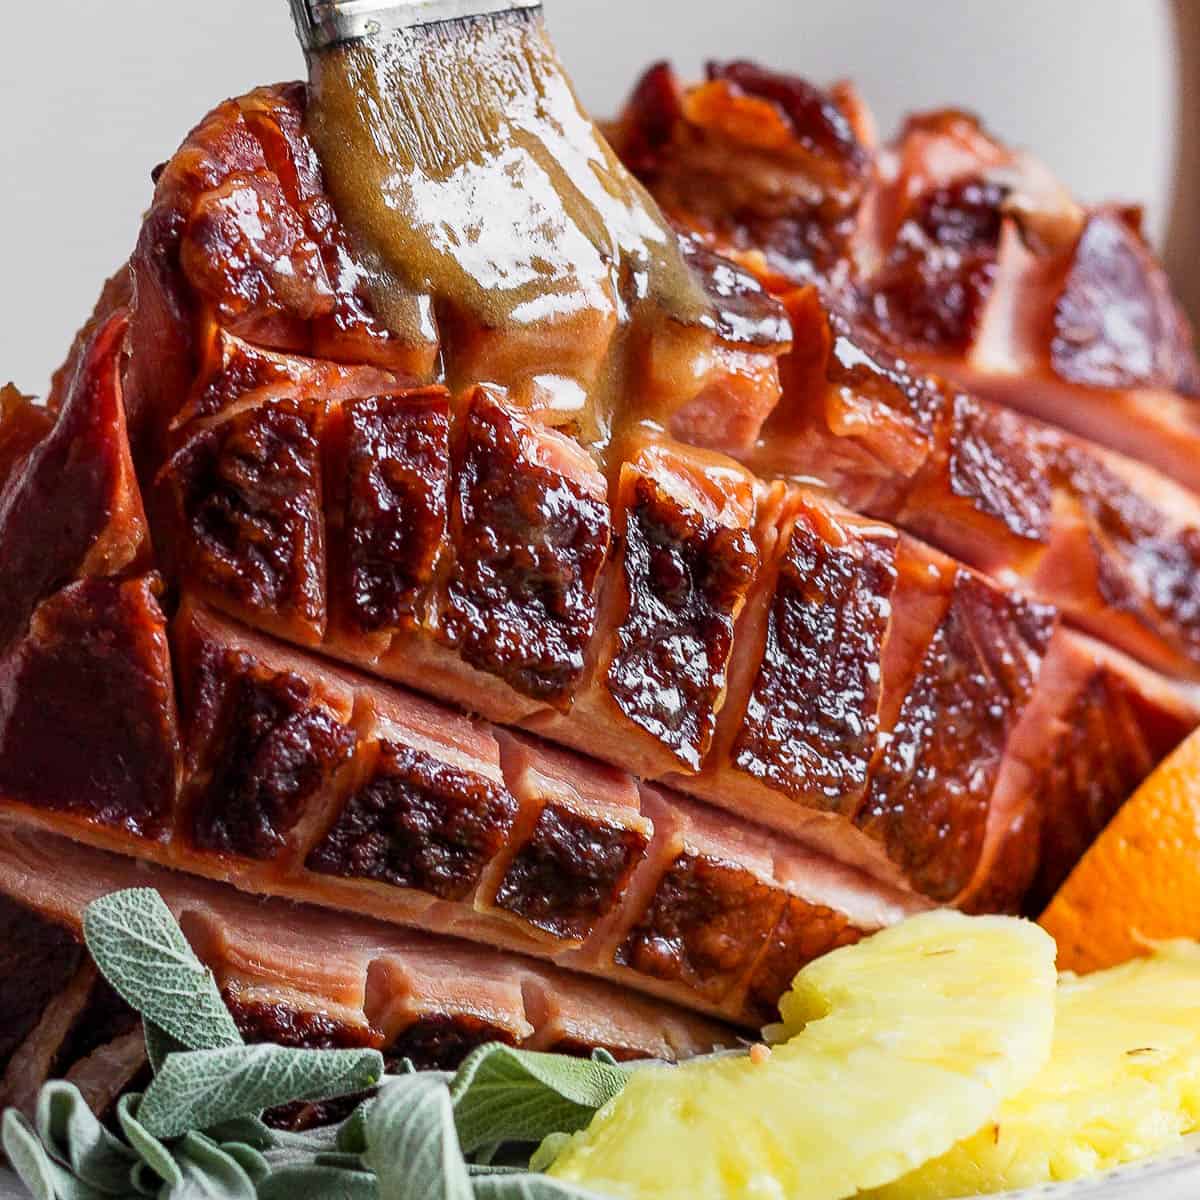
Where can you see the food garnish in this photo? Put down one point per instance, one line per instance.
(198, 1128)
(887, 1051)
(1122, 1083)
(1137, 885)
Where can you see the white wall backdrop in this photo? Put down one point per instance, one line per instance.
(93, 93)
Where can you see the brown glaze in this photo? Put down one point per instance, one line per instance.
(742, 313)
(296, 977)
(87, 694)
(529, 542)
(247, 251)
(706, 923)
(396, 469)
(1148, 565)
(423, 817)
(961, 252)
(283, 1023)
(928, 797)
(865, 366)
(936, 281)
(23, 424)
(418, 823)
(262, 745)
(1109, 541)
(72, 506)
(277, 380)
(440, 1043)
(1001, 468)
(1116, 324)
(571, 871)
(246, 496)
(686, 575)
(1109, 741)
(567, 260)
(812, 716)
(750, 160)
(804, 932)
(239, 370)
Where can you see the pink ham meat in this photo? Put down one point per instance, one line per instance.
(945, 255)
(320, 614)
(288, 974)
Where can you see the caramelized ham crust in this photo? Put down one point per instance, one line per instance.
(306, 781)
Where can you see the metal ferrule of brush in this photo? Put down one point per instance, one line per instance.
(322, 23)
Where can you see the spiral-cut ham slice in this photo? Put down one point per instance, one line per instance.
(1065, 314)
(1114, 544)
(290, 975)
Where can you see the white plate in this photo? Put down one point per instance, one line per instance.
(1174, 1175)
(1170, 1176)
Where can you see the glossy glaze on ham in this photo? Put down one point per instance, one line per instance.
(302, 607)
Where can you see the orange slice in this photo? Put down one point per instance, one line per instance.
(1140, 881)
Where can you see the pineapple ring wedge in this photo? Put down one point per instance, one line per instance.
(896, 1049)
(1122, 1083)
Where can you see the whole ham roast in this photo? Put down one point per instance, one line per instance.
(494, 599)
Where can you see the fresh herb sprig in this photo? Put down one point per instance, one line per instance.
(197, 1131)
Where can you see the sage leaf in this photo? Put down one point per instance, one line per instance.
(506, 1095)
(314, 1182)
(344, 1162)
(249, 1130)
(144, 1181)
(300, 1149)
(148, 1148)
(37, 1170)
(71, 1133)
(71, 1187)
(252, 1161)
(209, 1173)
(27, 1155)
(309, 1141)
(141, 951)
(548, 1152)
(159, 1043)
(352, 1132)
(202, 1088)
(411, 1143)
(528, 1187)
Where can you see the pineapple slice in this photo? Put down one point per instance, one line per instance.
(1123, 1082)
(898, 1048)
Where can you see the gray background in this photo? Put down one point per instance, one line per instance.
(94, 92)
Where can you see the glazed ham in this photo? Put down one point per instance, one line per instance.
(647, 653)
